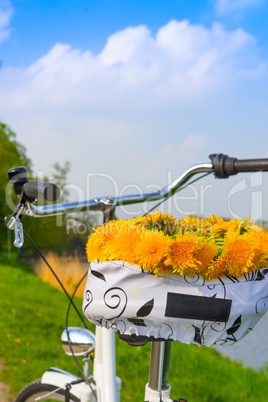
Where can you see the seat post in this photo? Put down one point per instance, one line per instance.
(159, 365)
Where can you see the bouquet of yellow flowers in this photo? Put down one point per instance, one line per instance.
(163, 245)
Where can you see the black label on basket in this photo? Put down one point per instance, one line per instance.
(197, 307)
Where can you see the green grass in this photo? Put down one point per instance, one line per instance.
(32, 317)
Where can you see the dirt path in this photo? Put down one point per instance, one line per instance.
(5, 390)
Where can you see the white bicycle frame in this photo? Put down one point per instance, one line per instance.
(107, 385)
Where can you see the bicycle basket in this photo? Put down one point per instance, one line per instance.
(136, 303)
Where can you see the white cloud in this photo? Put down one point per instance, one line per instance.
(182, 61)
(6, 12)
(127, 47)
(144, 105)
(228, 7)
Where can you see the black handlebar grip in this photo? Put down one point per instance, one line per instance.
(251, 165)
(225, 166)
(42, 191)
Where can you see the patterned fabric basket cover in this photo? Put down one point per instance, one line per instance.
(186, 309)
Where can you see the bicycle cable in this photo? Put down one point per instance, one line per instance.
(169, 195)
(57, 278)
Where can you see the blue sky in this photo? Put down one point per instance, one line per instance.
(36, 25)
(132, 93)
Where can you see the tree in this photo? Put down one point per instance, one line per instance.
(47, 232)
(60, 178)
(44, 231)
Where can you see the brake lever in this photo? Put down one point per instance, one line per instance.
(19, 237)
(13, 223)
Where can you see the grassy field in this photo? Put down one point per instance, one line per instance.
(31, 321)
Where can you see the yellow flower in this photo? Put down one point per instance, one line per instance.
(209, 223)
(111, 229)
(159, 217)
(191, 224)
(153, 221)
(206, 254)
(263, 239)
(95, 249)
(150, 249)
(213, 220)
(122, 248)
(162, 269)
(216, 268)
(181, 253)
(259, 241)
(223, 227)
(137, 221)
(160, 222)
(239, 255)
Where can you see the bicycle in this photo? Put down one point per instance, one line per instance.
(103, 384)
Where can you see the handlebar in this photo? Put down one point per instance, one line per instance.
(99, 203)
(222, 165)
(41, 191)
